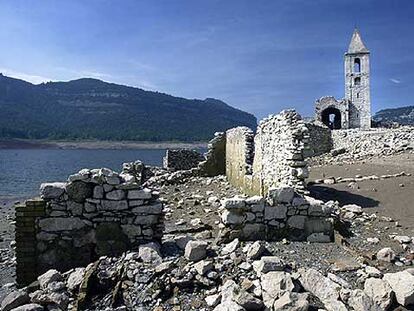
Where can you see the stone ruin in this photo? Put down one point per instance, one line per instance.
(181, 159)
(97, 212)
(100, 212)
(270, 165)
(272, 158)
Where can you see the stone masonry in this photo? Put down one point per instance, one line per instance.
(96, 212)
(354, 111)
(182, 159)
(282, 214)
(272, 158)
(215, 157)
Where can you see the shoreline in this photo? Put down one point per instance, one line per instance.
(107, 145)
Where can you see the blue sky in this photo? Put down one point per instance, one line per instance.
(260, 56)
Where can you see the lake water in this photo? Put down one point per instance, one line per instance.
(22, 171)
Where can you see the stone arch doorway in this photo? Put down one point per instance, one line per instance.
(331, 117)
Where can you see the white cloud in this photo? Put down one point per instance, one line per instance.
(25, 76)
(396, 81)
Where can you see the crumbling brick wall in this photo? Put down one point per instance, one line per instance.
(96, 213)
(275, 159)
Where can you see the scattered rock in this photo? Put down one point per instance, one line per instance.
(195, 250)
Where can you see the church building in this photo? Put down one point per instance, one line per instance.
(354, 111)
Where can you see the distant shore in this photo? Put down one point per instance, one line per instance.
(48, 144)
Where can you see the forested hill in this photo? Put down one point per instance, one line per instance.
(402, 115)
(93, 109)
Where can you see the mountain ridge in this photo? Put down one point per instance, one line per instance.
(89, 108)
(401, 115)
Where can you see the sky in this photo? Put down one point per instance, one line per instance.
(260, 56)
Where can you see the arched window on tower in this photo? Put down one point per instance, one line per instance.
(357, 65)
(357, 81)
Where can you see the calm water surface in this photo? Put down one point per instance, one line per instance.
(22, 171)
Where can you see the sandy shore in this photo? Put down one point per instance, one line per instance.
(42, 144)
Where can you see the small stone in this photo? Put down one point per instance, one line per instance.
(268, 263)
(256, 250)
(49, 277)
(213, 300)
(386, 254)
(150, 253)
(195, 250)
(75, 279)
(203, 267)
(230, 247)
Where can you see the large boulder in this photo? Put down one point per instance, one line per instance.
(274, 285)
(316, 283)
(360, 301)
(402, 283)
(379, 291)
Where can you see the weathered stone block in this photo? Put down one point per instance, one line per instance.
(297, 222)
(275, 212)
(115, 195)
(113, 205)
(52, 190)
(79, 191)
(146, 220)
(232, 218)
(148, 209)
(144, 194)
(61, 224)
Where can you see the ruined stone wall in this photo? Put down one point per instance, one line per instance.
(320, 139)
(284, 214)
(215, 162)
(95, 213)
(375, 141)
(182, 159)
(239, 156)
(280, 143)
(272, 158)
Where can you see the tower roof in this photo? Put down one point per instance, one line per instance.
(356, 45)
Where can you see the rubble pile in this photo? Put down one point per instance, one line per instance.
(197, 275)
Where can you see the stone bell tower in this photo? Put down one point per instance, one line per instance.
(357, 84)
